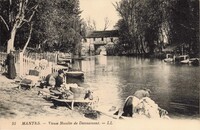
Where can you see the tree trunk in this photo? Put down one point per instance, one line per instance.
(10, 44)
(142, 46)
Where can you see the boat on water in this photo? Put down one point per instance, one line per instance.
(103, 52)
(183, 59)
(169, 58)
(75, 74)
(79, 58)
(64, 61)
(195, 61)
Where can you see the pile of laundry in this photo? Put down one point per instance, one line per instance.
(150, 109)
(144, 107)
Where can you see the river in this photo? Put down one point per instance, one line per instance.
(175, 88)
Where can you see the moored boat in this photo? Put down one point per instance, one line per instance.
(103, 52)
(183, 59)
(169, 58)
(187, 61)
(75, 74)
(195, 61)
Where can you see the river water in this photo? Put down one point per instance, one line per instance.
(175, 88)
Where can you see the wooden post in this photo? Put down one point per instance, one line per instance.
(21, 64)
(56, 57)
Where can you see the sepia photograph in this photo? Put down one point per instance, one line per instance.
(99, 64)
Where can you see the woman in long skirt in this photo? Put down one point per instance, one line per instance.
(11, 65)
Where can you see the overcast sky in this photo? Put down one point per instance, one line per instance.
(98, 10)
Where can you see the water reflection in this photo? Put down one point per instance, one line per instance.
(174, 87)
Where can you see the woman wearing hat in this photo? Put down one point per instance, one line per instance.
(10, 61)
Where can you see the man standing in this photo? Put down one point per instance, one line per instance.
(10, 62)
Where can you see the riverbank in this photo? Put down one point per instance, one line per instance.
(19, 103)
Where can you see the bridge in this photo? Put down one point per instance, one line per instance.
(101, 38)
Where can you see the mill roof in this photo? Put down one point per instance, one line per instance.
(100, 34)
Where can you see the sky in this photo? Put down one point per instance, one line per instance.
(98, 10)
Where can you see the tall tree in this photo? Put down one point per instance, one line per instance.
(15, 15)
(150, 22)
(90, 25)
(184, 25)
(55, 24)
(59, 26)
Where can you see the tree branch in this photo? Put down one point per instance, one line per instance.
(190, 28)
(30, 18)
(29, 38)
(94, 25)
(107, 22)
(20, 15)
(4, 22)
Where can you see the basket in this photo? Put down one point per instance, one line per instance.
(34, 72)
(79, 93)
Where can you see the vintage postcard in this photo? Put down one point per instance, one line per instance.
(99, 64)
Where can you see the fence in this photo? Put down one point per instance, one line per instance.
(46, 63)
(41, 61)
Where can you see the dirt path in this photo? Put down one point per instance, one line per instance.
(19, 103)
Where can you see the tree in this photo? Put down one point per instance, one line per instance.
(184, 24)
(106, 23)
(90, 25)
(54, 24)
(148, 22)
(59, 26)
(15, 15)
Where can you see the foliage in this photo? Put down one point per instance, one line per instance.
(57, 25)
(184, 23)
(147, 25)
(89, 25)
(15, 14)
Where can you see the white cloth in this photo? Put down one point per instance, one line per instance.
(148, 108)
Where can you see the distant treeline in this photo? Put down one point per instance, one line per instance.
(148, 26)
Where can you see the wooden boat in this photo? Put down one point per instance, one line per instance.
(104, 53)
(64, 62)
(183, 59)
(75, 74)
(64, 59)
(195, 61)
(169, 58)
(79, 57)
